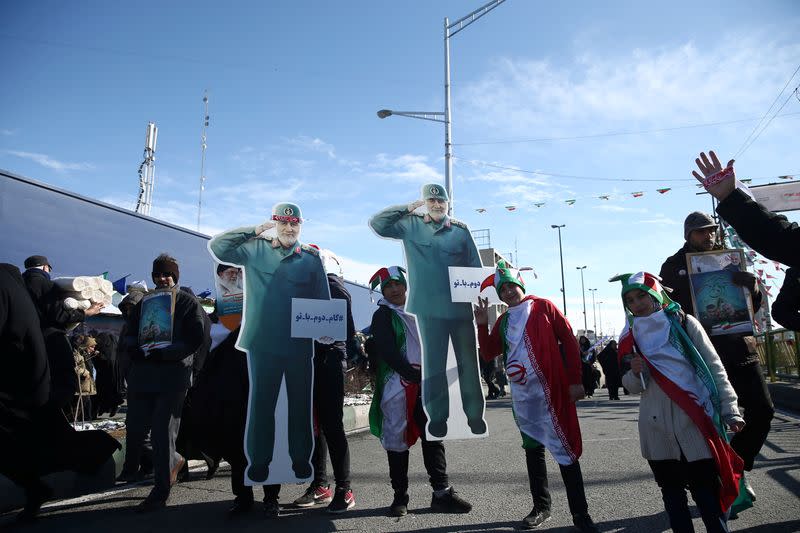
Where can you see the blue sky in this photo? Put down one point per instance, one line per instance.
(294, 87)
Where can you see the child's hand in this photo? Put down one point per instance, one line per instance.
(736, 425)
(637, 365)
(576, 392)
(481, 311)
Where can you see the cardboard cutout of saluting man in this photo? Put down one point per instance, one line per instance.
(432, 243)
(276, 270)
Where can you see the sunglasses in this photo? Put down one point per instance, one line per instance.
(162, 274)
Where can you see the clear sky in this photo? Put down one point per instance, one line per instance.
(294, 87)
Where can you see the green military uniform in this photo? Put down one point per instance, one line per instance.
(430, 248)
(273, 276)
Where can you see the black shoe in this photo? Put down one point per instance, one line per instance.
(399, 505)
(451, 502)
(491, 396)
(302, 470)
(535, 519)
(240, 506)
(502, 393)
(271, 508)
(128, 477)
(183, 473)
(343, 500)
(583, 522)
(212, 464)
(478, 426)
(35, 496)
(151, 503)
(438, 428)
(258, 473)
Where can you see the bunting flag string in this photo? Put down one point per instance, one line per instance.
(610, 196)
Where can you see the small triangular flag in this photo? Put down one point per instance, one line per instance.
(569, 202)
(637, 194)
(511, 207)
(665, 189)
(539, 204)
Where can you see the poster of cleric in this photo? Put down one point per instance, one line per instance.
(279, 272)
(434, 243)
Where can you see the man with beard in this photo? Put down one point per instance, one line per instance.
(737, 351)
(230, 279)
(432, 243)
(157, 383)
(276, 270)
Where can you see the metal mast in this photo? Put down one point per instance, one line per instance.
(202, 159)
(147, 169)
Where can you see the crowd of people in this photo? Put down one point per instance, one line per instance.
(694, 388)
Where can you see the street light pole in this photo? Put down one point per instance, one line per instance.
(561, 257)
(600, 312)
(594, 312)
(449, 31)
(585, 327)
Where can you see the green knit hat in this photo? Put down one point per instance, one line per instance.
(644, 281)
(287, 212)
(387, 274)
(503, 274)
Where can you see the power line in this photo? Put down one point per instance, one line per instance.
(742, 148)
(616, 133)
(569, 176)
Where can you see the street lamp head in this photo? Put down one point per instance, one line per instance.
(383, 113)
(554, 226)
(580, 268)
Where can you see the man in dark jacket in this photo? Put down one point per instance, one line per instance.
(609, 361)
(329, 361)
(157, 383)
(29, 422)
(737, 351)
(768, 233)
(47, 296)
(786, 308)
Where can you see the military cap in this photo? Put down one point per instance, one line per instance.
(287, 212)
(434, 190)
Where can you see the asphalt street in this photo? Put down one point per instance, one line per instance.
(490, 473)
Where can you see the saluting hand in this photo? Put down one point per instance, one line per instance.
(481, 311)
(414, 205)
(264, 227)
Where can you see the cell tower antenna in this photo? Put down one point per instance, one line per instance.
(202, 159)
(147, 171)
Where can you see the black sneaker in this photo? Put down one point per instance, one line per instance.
(314, 495)
(271, 508)
(451, 502)
(151, 503)
(583, 522)
(399, 505)
(535, 519)
(343, 500)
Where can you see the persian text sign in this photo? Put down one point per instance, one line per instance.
(778, 197)
(465, 284)
(314, 319)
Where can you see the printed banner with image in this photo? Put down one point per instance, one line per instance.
(157, 315)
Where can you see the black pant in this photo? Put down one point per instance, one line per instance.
(328, 406)
(702, 479)
(751, 388)
(432, 455)
(537, 477)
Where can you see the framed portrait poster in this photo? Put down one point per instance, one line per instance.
(721, 306)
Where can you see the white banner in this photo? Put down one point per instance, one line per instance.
(779, 196)
(465, 284)
(314, 319)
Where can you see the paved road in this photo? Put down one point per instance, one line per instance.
(489, 472)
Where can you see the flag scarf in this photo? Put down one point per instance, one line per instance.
(547, 417)
(677, 367)
(391, 414)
